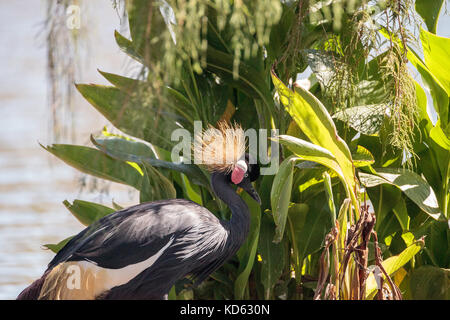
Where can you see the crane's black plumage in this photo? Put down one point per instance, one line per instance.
(141, 251)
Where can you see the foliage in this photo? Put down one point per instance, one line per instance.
(346, 139)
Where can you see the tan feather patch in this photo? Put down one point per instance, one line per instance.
(73, 281)
(219, 149)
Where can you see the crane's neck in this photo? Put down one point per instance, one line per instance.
(240, 215)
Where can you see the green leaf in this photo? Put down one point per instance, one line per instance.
(132, 115)
(134, 151)
(309, 234)
(249, 79)
(429, 11)
(438, 243)
(440, 137)
(313, 119)
(155, 186)
(311, 152)
(127, 47)
(366, 119)
(87, 212)
(330, 198)
(280, 196)
(96, 163)
(414, 187)
(123, 145)
(436, 51)
(430, 283)
(123, 83)
(272, 256)
(146, 28)
(394, 263)
(431, 81)
(401, 213)
(56, 247)
(362, 157)
(247, 252)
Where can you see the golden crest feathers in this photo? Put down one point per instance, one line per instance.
(219, 149)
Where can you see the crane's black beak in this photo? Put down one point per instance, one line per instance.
(248, 187)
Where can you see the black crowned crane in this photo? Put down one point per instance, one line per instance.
(141, 251)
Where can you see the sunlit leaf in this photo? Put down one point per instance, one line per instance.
(96, 163)
(87, 212)
(305, 150)
(394, 263)
(281, 195)
(362, 157)
(138, 152)
(313, 119)
(417, 189)
(429, 11)
(58, 246)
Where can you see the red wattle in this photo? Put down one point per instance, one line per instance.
(237, 175)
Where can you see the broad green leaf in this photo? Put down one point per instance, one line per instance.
(281, 195)
(329, 194)
(132, 115)
(296, 221)
(123, 145)
(431, 81)
(362, 157)
(310, 152)
(438, 243)
(247, 252)
(417, 189)
(323, 64)
(429, 10)
(87, 212)
(440, 137)
(147, 29)
(430, 283)
(394, 263)
(424, 118)
(366, 119)
(123, 83)
(436, 52)
(117, 107)
(96, 163)
(401, 213)
(342, 220)
(58, 246)
(384, 198)
(249, 79)
(192, 191)
(313, 119)
(127, 47)
(155, 185)
(272, 256)
(311, 233)
(134, 151)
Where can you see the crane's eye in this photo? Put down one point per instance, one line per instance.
(246, 175)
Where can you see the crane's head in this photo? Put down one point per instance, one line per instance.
(244, 173)
(222, 150)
